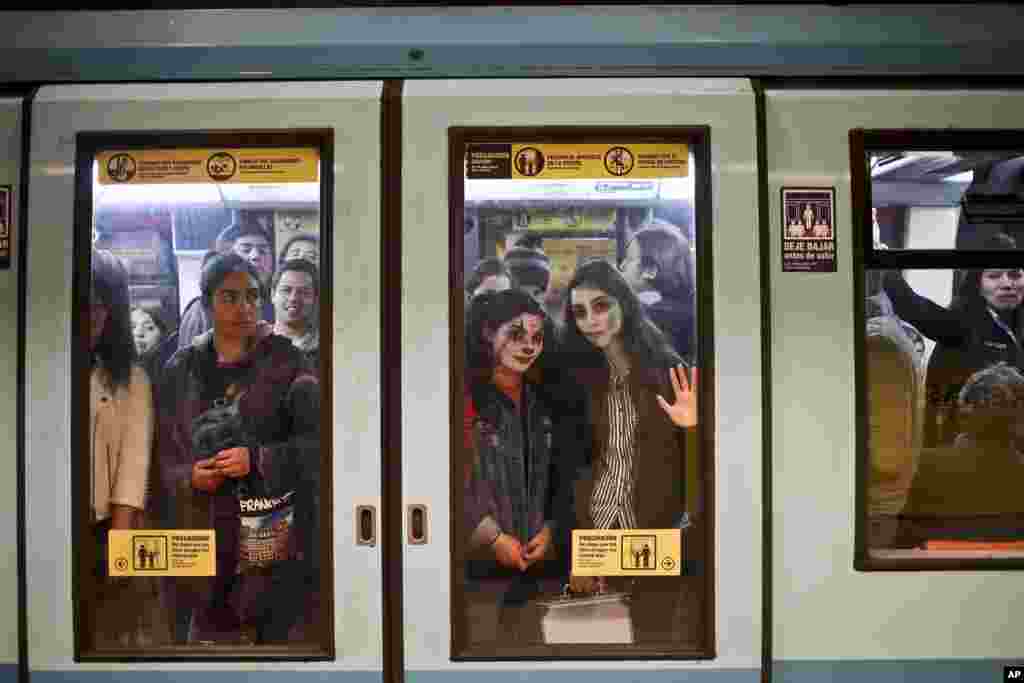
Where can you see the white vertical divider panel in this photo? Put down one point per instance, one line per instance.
(823, 609)
(353, 111)
(10, 168)
(727, 106)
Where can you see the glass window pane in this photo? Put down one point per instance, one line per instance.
(947, 199)
(580, 518)
(944, 392)
(200, 355)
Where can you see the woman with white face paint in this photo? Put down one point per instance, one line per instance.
(507, 437)
(636, 438)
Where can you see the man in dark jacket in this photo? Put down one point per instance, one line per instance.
(239, 452)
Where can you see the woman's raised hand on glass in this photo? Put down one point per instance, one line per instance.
(683, 412)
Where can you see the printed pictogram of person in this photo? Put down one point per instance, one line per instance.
(529, 161)
(808, 220)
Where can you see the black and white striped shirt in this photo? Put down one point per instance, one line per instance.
(612, 504)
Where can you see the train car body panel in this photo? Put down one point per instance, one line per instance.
(878, 623)
(353, 112)
(727, 107)
(10, 166)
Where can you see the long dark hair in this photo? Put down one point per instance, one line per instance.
(115, 347)
(968, 294)
(487, 312)
(646, 346)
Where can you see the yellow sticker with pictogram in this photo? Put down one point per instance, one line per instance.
(162, 552)
(627, 552)
(249, 165)
(565, 161)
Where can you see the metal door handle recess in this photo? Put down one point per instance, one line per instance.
(366, 525)
(416, 518)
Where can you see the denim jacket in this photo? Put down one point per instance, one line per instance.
(508, 490)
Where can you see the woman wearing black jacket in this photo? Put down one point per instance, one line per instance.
(979, 329)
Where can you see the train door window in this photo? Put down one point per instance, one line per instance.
(199, 395)
(579, 461)
(942, 365)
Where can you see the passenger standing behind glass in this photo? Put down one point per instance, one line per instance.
(658, 265)
(121, 417)
(296, 296)
(627, 367)
(252, 390)
(529, 267)
(148, 330)
(979, 329)
(507, 437)
(489, 275)
(302, 246)
(253, 244)
(971, 491)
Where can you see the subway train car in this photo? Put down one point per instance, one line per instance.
(379, 343)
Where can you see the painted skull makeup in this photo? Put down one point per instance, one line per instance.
(518, 342)
(598, 315)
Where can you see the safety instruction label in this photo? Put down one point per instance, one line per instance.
(251, 165)
(627, 552)
(583, 160)
(162, 552)
(808, 230)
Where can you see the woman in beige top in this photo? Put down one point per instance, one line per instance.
(121, 437)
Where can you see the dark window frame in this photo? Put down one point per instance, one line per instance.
(698, 139)
(867, 257)
(88, 145)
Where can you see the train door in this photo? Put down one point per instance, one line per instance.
(178, 225)
(10, 165)
(568, 246)
(894, 523)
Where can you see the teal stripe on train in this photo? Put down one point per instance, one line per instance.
(8, 673)
(891, 671)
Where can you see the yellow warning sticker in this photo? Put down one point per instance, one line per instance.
(627, 552)
(162, 552)
(540, 161)
(250, 165)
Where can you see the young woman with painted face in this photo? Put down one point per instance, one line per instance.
(981, 327)
(121, 439)
(636, 437)
(507, 436)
